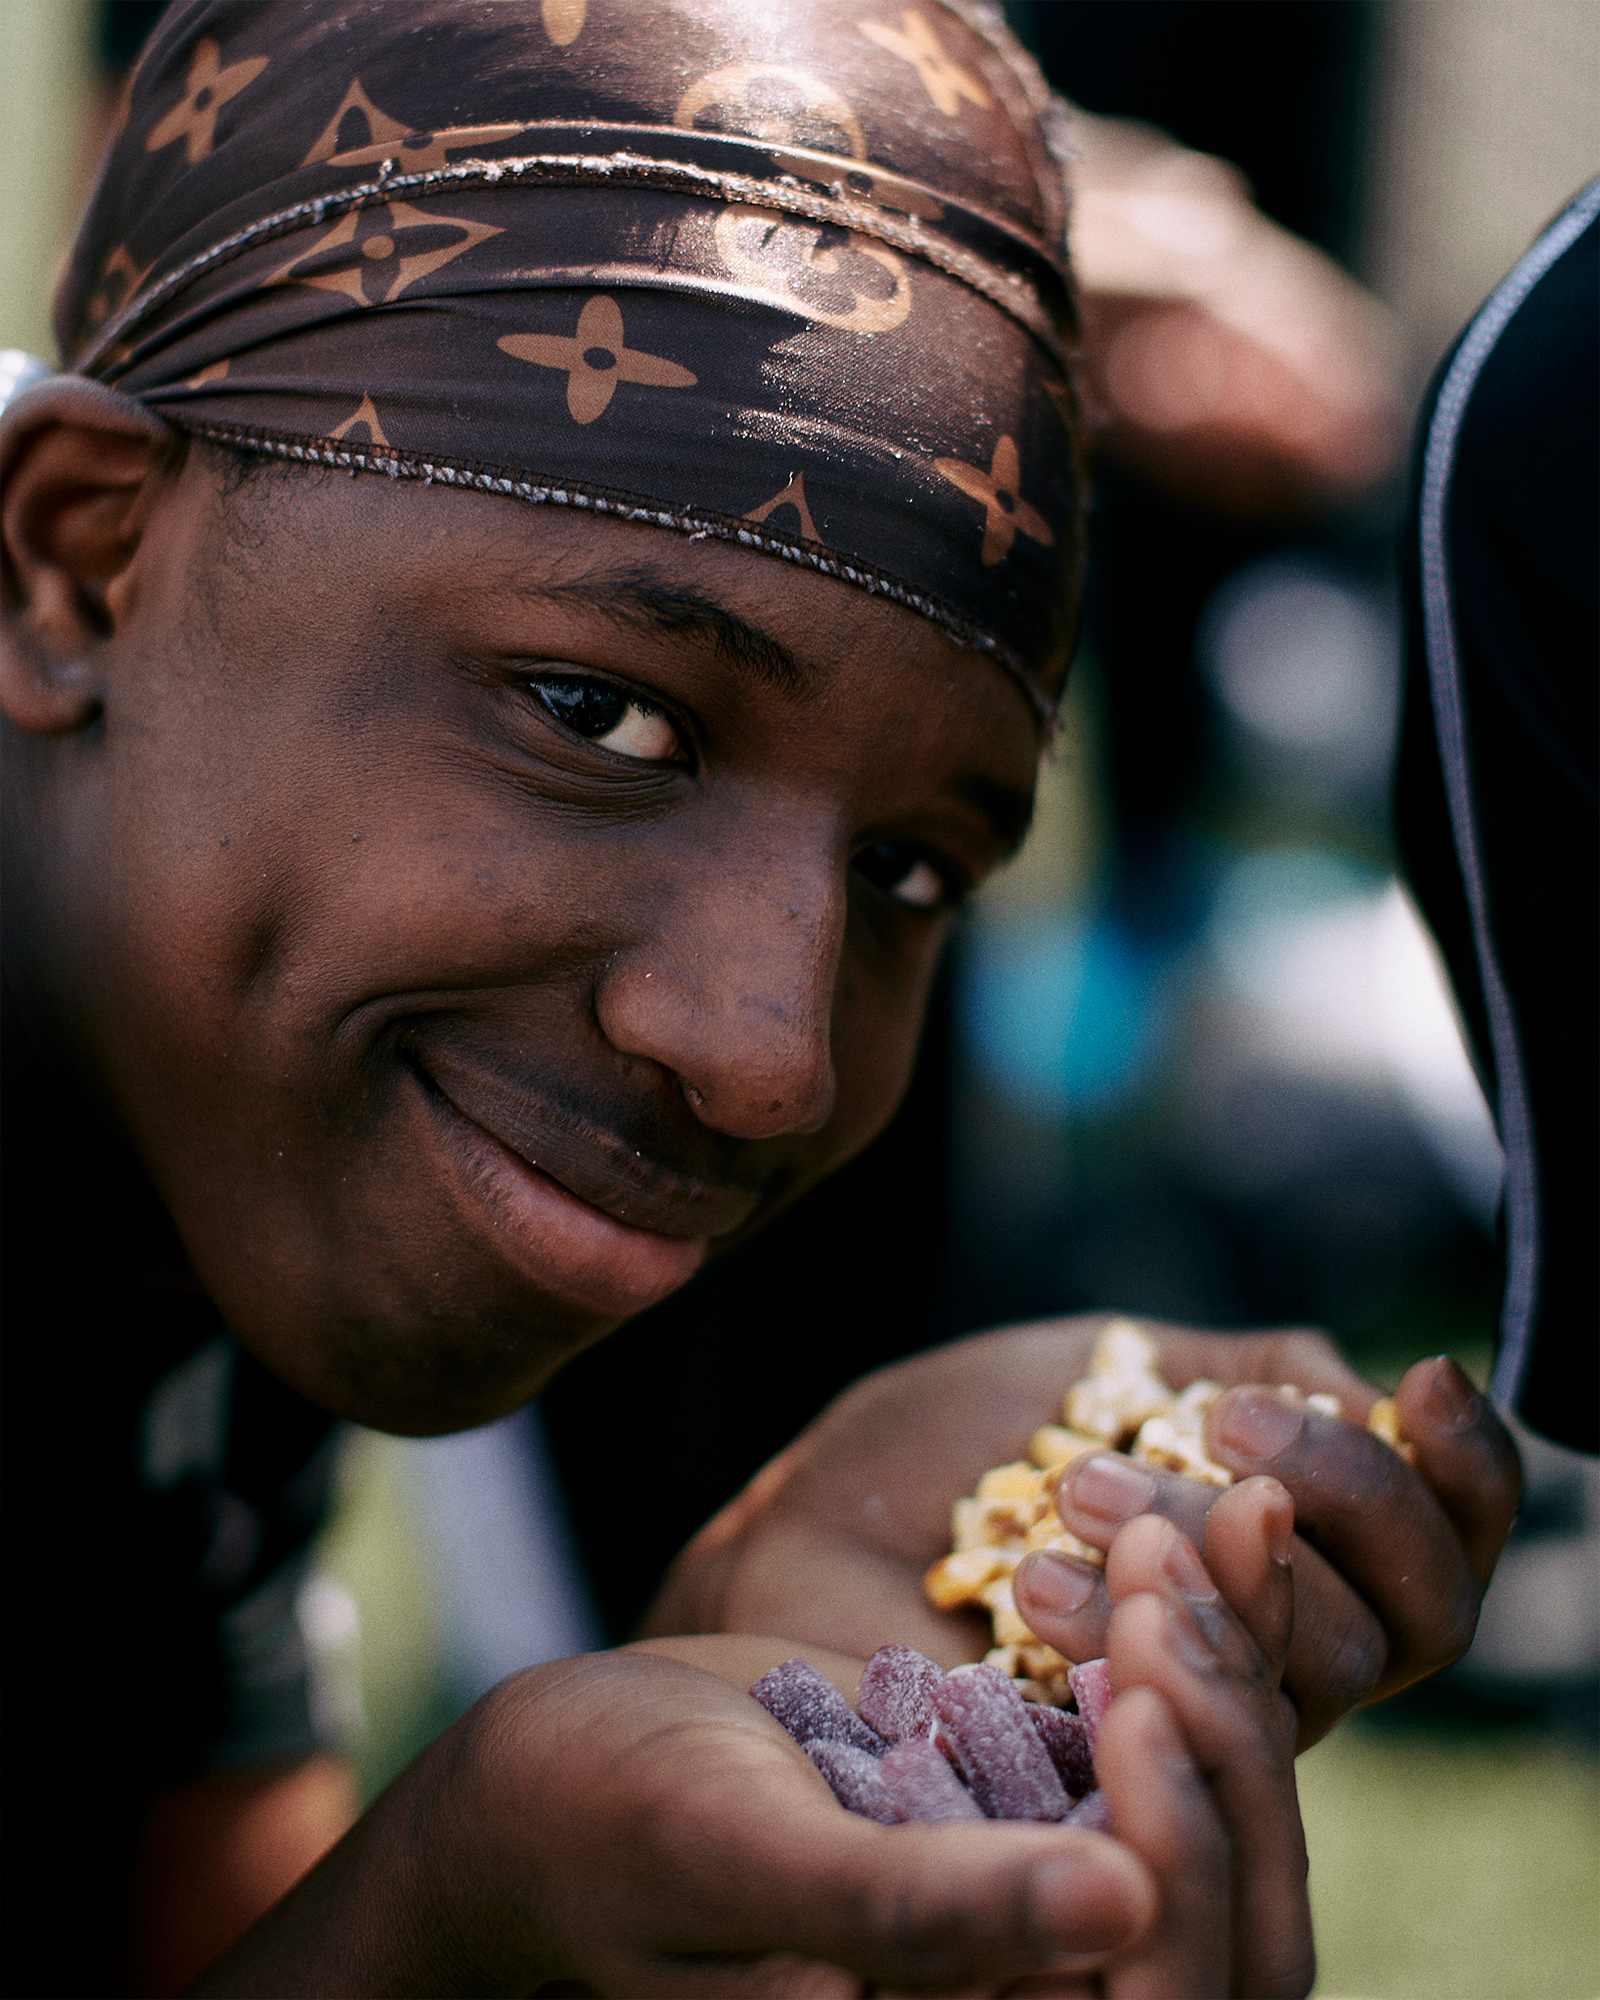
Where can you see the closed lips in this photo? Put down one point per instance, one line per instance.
(596, 1166)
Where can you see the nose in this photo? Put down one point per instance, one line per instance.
(735, 993)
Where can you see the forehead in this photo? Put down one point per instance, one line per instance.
(485, 559)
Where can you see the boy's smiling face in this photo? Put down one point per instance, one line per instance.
(477, 913)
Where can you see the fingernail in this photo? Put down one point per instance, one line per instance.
(1257, 1424)
(1189, 1642)
(1110, 1488)
(1055, 1583)
(1278, 1526)
(1451, 1400)
(1185, 1569)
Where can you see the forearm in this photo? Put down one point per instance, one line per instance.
(216, 1854)
(386, 1910)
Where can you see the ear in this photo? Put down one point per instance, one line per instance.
(81, 469)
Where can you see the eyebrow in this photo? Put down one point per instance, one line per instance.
(645, 600)
(1007, 808)
(641, 598)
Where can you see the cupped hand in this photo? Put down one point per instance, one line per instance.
(633, 1823)
(1390, 1560)
(828, 1544)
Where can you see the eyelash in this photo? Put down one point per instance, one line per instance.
(954, 886)
(616, 703)
(563, 697)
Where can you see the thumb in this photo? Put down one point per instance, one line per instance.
(930, 1906)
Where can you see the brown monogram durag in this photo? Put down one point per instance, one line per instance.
(790, 274)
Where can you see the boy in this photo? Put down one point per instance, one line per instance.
(437, 922)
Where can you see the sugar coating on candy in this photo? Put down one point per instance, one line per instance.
(922, 1784)
(1092, 1812)
(985, 1721)
(895, 1695)
(1091, 1689)
(812, 1709)
(1067, 1739)
(855, 1781)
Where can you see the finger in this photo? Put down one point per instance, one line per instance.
(1465, 1454)
(1151, 1557)
(1063, 1602)
(933, 1906)
(1373, 1517)
(1098, 1494)
(1180, 1640)
(1162, 1810)
(1337, 1650)
(1248, 1538)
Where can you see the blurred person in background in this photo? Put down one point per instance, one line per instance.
(1498, 803)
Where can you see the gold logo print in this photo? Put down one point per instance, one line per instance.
(596, 359)
(373, 254)
(208, 88)
(793, 495)
(120, 278)
(1004, 510)
(563, 19)
(364, 414)
(790, 260)
(758, 100)
(382, 137)
(916, 43)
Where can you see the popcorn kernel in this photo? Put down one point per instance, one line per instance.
(1053, 1446)
(1383, 1420)
(1020, 1481)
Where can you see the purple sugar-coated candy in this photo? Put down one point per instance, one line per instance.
(922, 1784)
(998, 1749)
(812, 1709)
(1091, 1812)
(856, 1780)
(896, 1693)
(1091, 1690)
(1066, 1737)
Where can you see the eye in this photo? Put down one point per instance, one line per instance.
(610, 717)
(906, 874)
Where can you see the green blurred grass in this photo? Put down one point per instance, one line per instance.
(1453, 1866)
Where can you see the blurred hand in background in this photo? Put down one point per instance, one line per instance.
(1227, 360)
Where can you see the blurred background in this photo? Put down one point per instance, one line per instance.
(1192, 1054)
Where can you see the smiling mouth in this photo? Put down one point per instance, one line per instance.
(591, 1165)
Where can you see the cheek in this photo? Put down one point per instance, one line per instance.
(877, 1026)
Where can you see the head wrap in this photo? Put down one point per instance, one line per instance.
(791, 275)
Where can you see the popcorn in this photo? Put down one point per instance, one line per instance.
(1053, 1446)
(1009, 1628)
(1161, 1443)
(1122, 1388)
(1320, 1401)
(958, 1579)
(1383, 1420)
(1018, 1483)
(1176, 1443)
(1122, 1403)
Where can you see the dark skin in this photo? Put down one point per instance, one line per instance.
(1390, 1561)
(417, 933)
(452, 922)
